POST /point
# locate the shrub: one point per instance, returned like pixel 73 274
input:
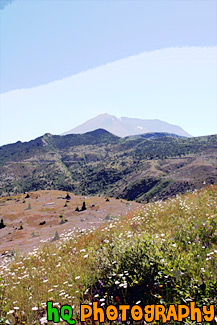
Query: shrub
pixel 29 206
pixel 68 197
pixel 83 207
pixel 2 225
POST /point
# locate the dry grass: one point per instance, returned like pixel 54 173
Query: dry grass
pixel 178 235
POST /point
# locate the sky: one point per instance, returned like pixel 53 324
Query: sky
pixel 63 62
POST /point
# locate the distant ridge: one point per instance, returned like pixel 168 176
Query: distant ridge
pixel 140 167
pixel 126 126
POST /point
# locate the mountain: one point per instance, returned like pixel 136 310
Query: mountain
pixel 126 126
pixel 142 168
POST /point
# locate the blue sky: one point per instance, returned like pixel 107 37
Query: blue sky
pixel 59 59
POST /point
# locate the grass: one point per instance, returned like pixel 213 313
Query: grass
pixel 165 253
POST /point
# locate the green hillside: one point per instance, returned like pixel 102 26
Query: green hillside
pixel 164 253
pixel 145 167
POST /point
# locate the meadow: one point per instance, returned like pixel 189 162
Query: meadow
pixel 164 253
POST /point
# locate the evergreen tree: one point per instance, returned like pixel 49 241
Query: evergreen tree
pixel 83 207
pixel 2 225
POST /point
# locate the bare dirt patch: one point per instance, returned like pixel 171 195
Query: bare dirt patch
pixel 31 221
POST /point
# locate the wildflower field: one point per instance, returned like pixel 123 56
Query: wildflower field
pixel 165 253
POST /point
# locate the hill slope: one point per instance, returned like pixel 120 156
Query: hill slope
pixel 164 253
pixel 126 126
pixel 34 218
pixel 99 162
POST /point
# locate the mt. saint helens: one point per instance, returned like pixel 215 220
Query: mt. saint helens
pixel 126 126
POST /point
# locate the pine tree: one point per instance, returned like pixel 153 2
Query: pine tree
pixel 2 225
pixel 83 207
